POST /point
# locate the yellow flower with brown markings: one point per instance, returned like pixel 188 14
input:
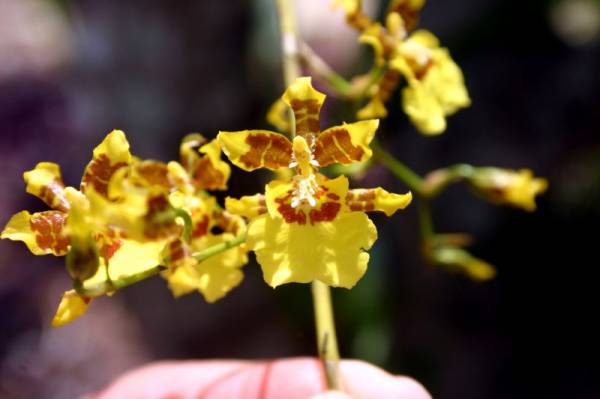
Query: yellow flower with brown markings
pixel 435 84
pixel 436 87
pixel 124 216
pixel 143 202
pixel 70 229
pixel 309 227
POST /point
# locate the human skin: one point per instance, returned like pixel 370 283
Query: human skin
pixel 294 378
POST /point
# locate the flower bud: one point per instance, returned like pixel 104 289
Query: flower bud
pixel 508 187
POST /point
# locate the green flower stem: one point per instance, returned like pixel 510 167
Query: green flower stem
pixel 319 67
pixel 401 171
pixel 108 286
pixel 338 84
pixel 187 223
pixel 425 219
pixel 462 169
pixel 218 248
pixel 373 77
pixel 438 180
pixel 289 41
pixel 413 181
pixel 326 338
pixel 113 285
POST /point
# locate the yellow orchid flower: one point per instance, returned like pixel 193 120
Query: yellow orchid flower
pixel 145 200
pixel 435 84
pixel 213 277
pixel 309 227
pixel 92 247
pixel 43 232
pixel 142 199
pixel 436 87
pixel 517 188
pixel 124 221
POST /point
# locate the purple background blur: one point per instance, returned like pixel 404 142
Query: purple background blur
pixel 71 71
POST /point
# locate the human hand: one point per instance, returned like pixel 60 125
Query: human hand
pixel 294 378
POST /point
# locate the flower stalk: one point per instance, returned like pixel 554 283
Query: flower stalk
pixel 401 171
pixel 289 41
pixel 326 336
pixel 339 86
pixel 335 82
pixel 413 181
pixel 325 326
pixel 111 285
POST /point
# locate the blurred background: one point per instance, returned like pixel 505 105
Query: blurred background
pixel 71 71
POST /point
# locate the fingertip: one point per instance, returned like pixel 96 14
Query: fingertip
pixel 413 388
pixel 162 379
pixel 331 395
pixel 364 380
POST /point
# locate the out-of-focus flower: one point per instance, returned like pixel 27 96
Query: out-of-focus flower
pixel 309 227
pixel 435 84
pixel 517 188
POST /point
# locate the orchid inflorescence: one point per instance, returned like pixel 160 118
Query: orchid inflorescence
pixel 131 218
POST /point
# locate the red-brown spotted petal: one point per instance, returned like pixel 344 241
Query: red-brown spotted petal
pixel 42 232
pixel 249 206
pixel 111 155
pixel 45 182
pixel 254 149
pixel 229 222
pixel 188 150
pixel 210 172
pixel 306 104
pixel 345 144
pixel 109 242
pixel 176 254
pixel 160 220
pixel 376 199
pixel 153 173
pixel 203 163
